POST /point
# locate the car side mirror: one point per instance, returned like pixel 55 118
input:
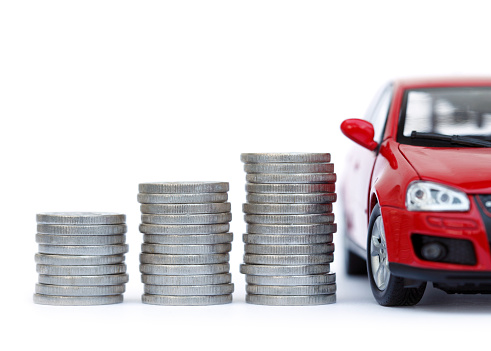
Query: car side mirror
pixel 360 131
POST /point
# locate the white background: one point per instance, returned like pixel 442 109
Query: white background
pixel 98 96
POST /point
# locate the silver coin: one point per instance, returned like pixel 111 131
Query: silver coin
pixel 84 280
pixel 188 239
pixel 290 188
pixel 290 219
pixel 287 239
pixel 184 228
pixel 183 187
pixel 203 279
pixel 186 249
pixel 189 269
pixel 63 229
pixel 73 290
pixel 77 300
pixel 289 167
pixel 315 249
pixel 288 260
pixel 74 240
pixel 286 208
pixel 81 270
pixel 284 270
pixel 282 280
pixel 181 198
pixel 290 300
pixel 214 218
pixel 216 207
pixel 315 198
pixel 162 259
pixel 291 229
pixel 289 290
pixel 187 290
pixel 64 260
pixel 80 218
pixel 272 157
pixel 85 250
pixel 291 177
pixel 186 300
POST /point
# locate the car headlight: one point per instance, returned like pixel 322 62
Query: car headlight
pixel 428 196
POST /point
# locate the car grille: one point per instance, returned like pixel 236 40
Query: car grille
pixel 484 206
pixel 486 202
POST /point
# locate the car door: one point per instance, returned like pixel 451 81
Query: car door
pixel 360 165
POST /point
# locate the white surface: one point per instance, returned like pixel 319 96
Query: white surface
pixel 98 96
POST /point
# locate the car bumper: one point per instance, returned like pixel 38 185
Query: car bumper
pixel 401 226
pixel 440 275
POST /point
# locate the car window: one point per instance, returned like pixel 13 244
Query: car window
pixel 463 111
pixel 379 113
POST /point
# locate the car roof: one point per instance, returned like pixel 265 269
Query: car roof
pixel 441 82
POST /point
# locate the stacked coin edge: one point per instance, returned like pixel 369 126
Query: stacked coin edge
pixel 290 225
pixel 81 258
pixel 186 243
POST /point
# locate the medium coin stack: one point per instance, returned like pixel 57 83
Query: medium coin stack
pixel 290 226
pixel 186 243
pixel 81 258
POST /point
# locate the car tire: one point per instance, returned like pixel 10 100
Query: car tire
pixel 387 289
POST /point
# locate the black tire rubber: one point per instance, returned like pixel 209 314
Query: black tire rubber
pixel 395 294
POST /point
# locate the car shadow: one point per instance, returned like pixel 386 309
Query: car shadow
pixel 356 289
pixel 436 300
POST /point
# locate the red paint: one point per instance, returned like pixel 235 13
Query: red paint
pixel 360 131
pixel 386 175
pixel 467 169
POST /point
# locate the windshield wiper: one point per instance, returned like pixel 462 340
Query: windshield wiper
pixel 453 139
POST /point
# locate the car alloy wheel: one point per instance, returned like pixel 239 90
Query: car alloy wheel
pixel 378 252
pixel 387 289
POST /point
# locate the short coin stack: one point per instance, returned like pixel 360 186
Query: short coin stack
pixel 81 258
pixel 186 243
pixel 290 226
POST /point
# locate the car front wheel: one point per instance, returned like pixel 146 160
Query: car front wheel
pixel 387 289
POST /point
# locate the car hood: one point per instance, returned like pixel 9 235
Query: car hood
pixel 466 168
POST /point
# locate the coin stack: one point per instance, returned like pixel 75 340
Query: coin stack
pixel 290 226
pixel 81 258
pixel 186 243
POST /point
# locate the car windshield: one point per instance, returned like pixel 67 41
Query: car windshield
pixel 433 113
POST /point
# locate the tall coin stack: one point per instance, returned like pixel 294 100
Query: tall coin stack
pixel 81 258
pixel 290 226
pixel 186 243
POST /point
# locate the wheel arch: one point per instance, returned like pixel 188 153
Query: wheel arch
pixel 372 202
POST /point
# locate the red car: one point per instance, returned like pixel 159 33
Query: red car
pixel 417 189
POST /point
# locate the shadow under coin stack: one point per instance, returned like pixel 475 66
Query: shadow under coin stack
pixel 81 258
pixel 290 226
pixel 186 243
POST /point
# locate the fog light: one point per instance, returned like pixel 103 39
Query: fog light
pixel 433 251
pixel 441 249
